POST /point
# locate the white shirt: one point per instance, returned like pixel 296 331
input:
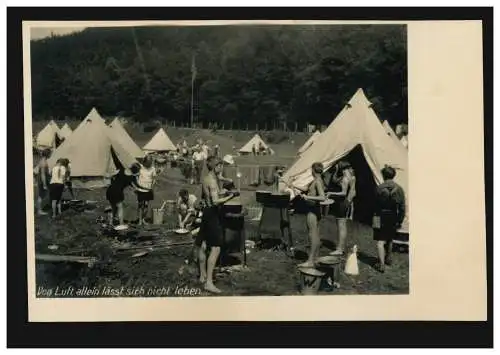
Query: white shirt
pixel 146 177
pixel 205 149
pixel 58 175
pixel 198 156
pixel 189 206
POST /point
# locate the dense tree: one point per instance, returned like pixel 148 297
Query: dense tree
pixel 265 75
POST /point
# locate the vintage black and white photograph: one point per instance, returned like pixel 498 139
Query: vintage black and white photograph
pixel 228 160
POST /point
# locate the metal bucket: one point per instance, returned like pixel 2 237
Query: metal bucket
pixel 332 266
pixel 157 216
pixel 310 280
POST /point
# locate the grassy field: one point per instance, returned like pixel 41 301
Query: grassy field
pixel 269 272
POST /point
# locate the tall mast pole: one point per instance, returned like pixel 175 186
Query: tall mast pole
pixel 193 78
pixel 192 96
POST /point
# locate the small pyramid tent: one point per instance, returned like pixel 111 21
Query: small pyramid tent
pixel 94 153
pixel 65 131
pixel 309 142
pixel 124 138
pixel 255 140
pixel 49 136
pixel 355 135
pixel 160 143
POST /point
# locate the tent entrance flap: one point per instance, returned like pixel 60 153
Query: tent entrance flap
pixel 365 185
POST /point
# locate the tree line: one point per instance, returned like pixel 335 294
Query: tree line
pixel 273 76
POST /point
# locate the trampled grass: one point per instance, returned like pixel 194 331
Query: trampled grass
pixel 269 272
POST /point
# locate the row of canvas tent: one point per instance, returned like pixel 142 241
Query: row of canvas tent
pixel 51 135
pixel 356 135
pixel 96 150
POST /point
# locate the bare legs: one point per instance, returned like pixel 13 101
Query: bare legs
pixel 342 228
pixel 207 266
pixel 384 251
pixel 313 229
pixel 39 206
pixel 142 212
pixel 119 212
pixel 70 189
pixel 112 214
pixel 212 260
pixel 139 213
pixel 202 262
pixel 56 208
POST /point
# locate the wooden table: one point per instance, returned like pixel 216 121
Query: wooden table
pixel 275 216
pixel 234 225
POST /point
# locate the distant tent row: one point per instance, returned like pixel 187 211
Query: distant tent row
pixel 96 150
pixel 49 137
pixel 356 135
pixel 160 143
pixel 256 141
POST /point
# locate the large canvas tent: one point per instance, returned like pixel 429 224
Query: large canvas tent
pixel 49 137
pixel 65 131
pixel 355 135
pixel 257 141
pixel 160 143
pixel 124 138
pixel 94 153
pixel 309 142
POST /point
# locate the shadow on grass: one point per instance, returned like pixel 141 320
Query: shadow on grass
pixel 328 244
pixel 367 259
pixel 269 243
pixel 300 255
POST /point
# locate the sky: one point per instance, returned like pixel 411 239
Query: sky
pixel 42 32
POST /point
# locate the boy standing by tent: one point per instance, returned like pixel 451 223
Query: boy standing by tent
pixel 389 214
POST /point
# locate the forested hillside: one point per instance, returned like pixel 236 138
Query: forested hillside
pixel 274 75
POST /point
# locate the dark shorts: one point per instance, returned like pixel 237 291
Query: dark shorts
pixel 315 210
pixel 341 208
pixel 304 207
pixel 388 227
pixel 114 196
pixel 211 228
pixel 56 191
pixel 145 196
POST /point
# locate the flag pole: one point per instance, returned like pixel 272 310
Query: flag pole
pixel 192 95
pixel 193 77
